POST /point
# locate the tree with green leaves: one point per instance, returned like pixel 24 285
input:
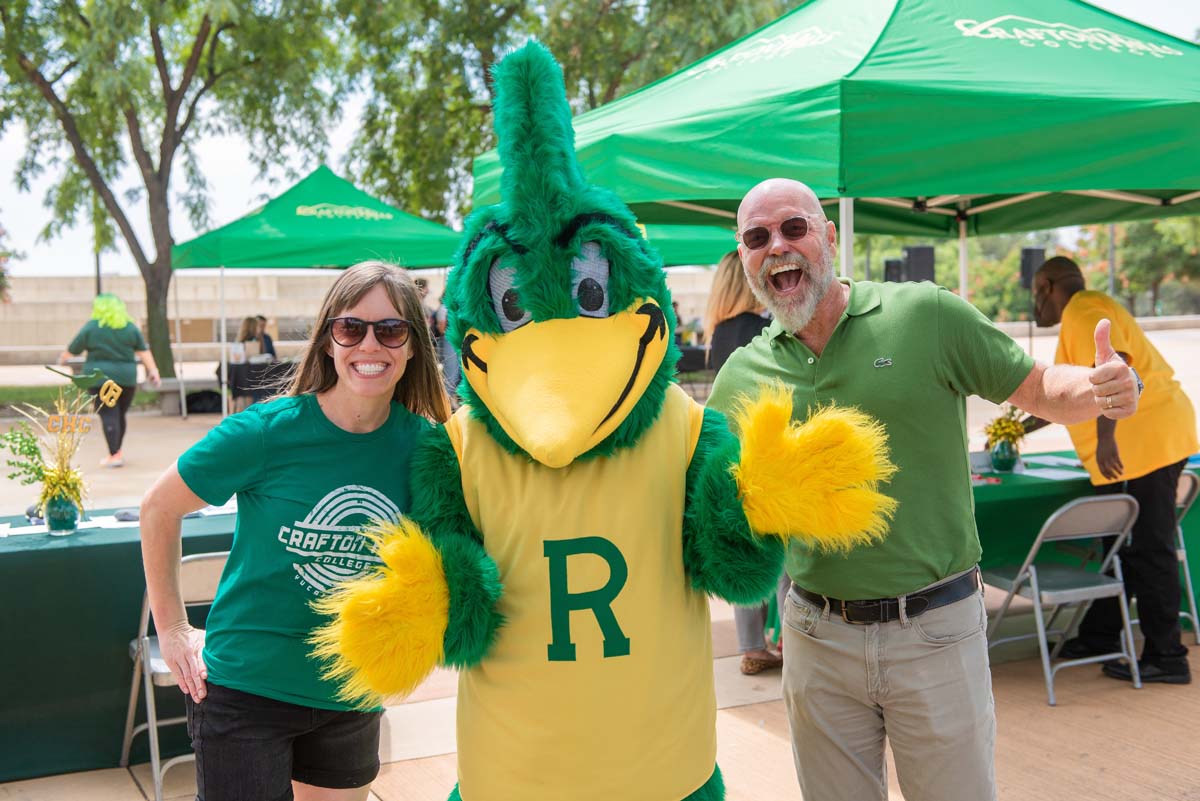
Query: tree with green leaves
pixel 98 85
pixel 425 66
pixel 1153 251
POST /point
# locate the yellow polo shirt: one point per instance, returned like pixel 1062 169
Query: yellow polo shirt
pixel 599 685
pixel 1163 430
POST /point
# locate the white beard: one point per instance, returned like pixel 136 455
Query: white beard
pixel 795 313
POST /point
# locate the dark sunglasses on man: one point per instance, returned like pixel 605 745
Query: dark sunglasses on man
pixel 793 228
pixel 349 331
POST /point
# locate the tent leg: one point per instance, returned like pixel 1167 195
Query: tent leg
pixel 962 258
pixel 846 215
pixel 178 356
pixel 1112 261
pixel 224 355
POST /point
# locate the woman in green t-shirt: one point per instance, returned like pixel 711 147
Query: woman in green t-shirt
pixel 310 469
pixel 114 345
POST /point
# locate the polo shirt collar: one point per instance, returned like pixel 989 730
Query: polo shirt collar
pixel 864 296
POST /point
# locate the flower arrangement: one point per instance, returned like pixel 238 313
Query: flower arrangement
pixel 1005 428
pixel 60 436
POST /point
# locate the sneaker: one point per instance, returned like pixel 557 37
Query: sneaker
pixel 113 460
pixel 1170 671
pixel 1078 648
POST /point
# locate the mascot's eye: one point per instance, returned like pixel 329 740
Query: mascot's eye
pixel 589 273
pixel 506 300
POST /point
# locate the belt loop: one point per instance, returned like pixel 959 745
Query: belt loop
pixel 903 604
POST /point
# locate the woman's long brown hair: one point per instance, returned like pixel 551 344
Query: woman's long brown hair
pixel 420 389
pixel 730 295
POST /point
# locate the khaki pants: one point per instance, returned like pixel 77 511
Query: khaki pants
pixel 921 682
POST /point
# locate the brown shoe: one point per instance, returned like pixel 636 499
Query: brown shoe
pixel 756 664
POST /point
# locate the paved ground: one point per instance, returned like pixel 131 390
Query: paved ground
pixel 153 441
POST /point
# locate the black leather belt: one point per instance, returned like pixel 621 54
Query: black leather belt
pixel 884 610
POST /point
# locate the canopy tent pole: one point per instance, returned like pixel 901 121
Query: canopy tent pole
pixel 1112 260
pixel 224 355
pixel 962 257
pixel 177 355
pixel 846 212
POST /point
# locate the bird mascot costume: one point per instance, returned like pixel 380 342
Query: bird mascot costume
pixel 570 520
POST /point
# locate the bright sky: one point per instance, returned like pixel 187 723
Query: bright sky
pixel 235 192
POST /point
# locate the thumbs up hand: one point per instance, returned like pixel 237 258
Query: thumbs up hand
pixel 1114 386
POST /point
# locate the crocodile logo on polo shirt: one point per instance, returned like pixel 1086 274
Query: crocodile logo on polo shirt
pixel 329 540
pixel 883 361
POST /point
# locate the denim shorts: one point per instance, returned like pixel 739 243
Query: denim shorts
pixel 251 747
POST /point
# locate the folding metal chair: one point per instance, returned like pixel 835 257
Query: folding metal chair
pixel 199 575
pixel 1062 586
pixel 1185 495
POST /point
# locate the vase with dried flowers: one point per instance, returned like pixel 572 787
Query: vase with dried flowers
pixel 42 451
pixel 1003 436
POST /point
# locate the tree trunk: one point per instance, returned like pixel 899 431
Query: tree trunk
pixel 158 285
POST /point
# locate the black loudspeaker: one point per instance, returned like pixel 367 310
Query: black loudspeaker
pixel 893 270
pixel 1031 259
pixel 918 263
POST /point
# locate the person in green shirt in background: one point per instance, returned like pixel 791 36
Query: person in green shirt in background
pixel 113 343
pixel 887 642
pixel 311 469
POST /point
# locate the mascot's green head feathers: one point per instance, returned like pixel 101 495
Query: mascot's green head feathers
pixel 557 305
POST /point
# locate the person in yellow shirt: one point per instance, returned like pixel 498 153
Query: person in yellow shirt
pixel 1142 455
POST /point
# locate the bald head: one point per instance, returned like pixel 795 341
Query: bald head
pixel 777 192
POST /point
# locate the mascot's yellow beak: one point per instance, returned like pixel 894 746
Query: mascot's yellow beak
pixel 559 387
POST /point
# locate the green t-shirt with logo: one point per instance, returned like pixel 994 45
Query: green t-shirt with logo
pixel 909 355
pixel 110 350
pixel 304 489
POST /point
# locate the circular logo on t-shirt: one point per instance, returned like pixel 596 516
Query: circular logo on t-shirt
pixel 329 540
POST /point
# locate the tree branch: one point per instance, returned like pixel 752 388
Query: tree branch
pixel 189 69
pixel 67 121
pixel 140 154
pixel 160 61
pixel 64 71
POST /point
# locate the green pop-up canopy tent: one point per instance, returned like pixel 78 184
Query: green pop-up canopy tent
pixel 939 117
pixel 690 244
pixel 322 221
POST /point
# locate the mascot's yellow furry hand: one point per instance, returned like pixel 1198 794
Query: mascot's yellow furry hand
pixel 816 481
pixel 388 627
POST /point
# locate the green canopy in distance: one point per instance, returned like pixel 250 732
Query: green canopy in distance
pixel 1001 115
pixel 690 244
pixel 323 221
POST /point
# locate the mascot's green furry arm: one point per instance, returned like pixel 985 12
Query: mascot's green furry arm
pixel 571 518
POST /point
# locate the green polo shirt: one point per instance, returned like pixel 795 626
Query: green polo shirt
pixel 908 354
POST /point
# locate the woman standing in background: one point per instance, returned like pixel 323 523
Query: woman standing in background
pixel 114 344
pixel 733 318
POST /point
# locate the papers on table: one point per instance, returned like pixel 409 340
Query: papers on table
pixel 8 530
pixel 1055 473
pixel 106 521
pixel 1051 460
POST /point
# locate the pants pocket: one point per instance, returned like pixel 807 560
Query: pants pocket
pixel 801 616
pixel 952 622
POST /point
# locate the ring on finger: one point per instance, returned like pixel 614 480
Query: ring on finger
pixel 1108 401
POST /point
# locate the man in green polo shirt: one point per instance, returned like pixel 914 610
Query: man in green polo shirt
pixel 887 642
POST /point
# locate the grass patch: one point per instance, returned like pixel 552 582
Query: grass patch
pixel 44 397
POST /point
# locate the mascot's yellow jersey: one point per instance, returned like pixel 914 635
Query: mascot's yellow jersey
pixel 599 685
